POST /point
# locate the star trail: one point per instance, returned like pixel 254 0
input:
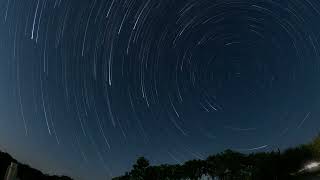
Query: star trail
pixel 88 86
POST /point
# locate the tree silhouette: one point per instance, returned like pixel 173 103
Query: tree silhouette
pixel 315 147
pixel 139 169
pixel 211 166
pixel 194 169
pixel 231 165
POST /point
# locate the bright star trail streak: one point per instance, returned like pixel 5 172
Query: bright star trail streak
pixel 88 86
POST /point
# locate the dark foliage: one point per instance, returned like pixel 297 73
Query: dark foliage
pixel 231 165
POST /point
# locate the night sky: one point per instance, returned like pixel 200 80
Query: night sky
pixel 87 86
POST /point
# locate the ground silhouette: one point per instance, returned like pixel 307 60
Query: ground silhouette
pixel 25 172
pixel 231 165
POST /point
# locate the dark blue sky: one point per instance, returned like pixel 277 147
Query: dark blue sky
pixel 87 86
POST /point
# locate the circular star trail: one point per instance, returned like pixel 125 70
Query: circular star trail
pixel 97 83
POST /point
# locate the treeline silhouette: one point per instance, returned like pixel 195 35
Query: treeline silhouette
pixel 231 165
pixel 25 172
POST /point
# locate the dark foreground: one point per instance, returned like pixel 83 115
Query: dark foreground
pixel 24 171
pixel 230 165
pixel 289 164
